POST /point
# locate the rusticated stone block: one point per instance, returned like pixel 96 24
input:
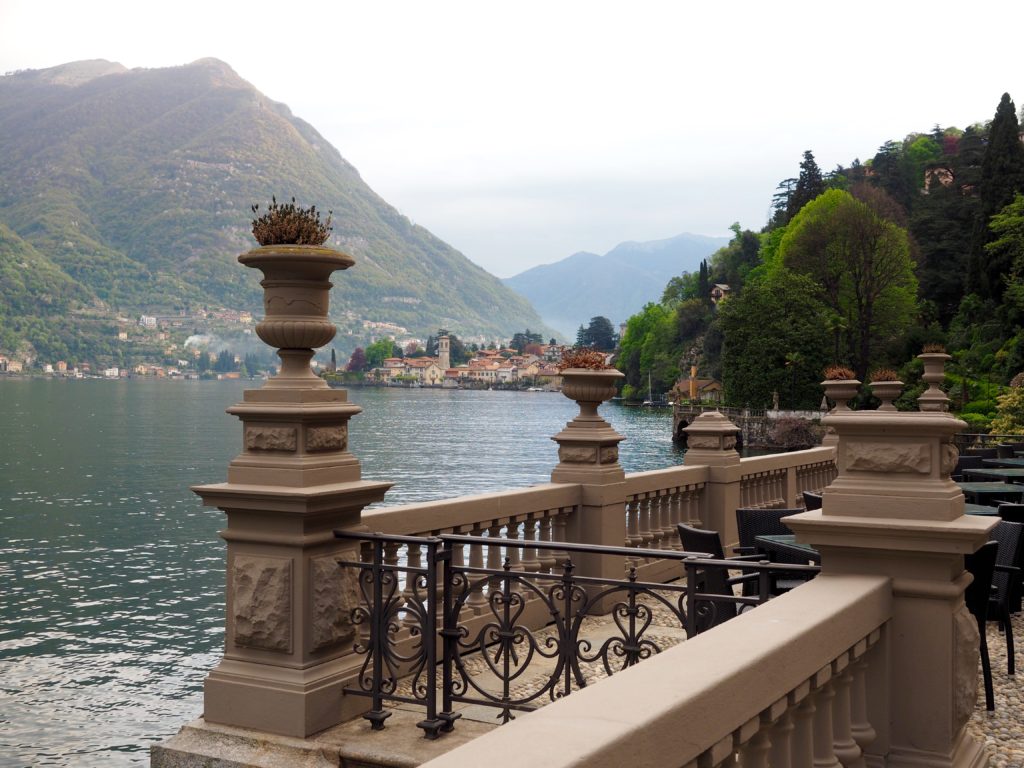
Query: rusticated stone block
pixel 320 439
pixel 966 642
pixel 577 454
pixel 704 441
pixel 950 454
pixel 609 454
pixel 271 439
pixel 335 593
pixel 262 600
pixel 905 458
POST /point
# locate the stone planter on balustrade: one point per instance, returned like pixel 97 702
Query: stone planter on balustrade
pixel 886 391
pixel 296 298
pixel 588 445
pixel 289 632
pixel 840 392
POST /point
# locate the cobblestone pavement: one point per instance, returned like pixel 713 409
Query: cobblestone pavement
pixel 1003 729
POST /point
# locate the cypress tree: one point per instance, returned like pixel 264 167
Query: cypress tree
pixel 809 185
pixel 1002 175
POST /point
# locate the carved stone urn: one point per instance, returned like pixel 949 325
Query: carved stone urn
pixel 588 444
pixel 840 391
pixel 886 391
pixel 933 398
pixel 296 292
pixel 589 388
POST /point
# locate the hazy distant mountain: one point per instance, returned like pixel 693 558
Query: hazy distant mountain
pixel 571 291
pixel 127 191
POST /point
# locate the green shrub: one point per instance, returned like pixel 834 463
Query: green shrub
pixel 976 422
pixel 980 406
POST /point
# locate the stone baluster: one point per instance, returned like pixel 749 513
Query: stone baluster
pixel 645 523
pixel 781 736
pixel 531 557
pixel 666 531
pixel 633 537
pixel 546 556
pixel 676 515
pixel 861 729
pixel 414 559
pixel 846 748
pixel 824 731
pixel 514 554
pixel 803 731
pixel 558 525
pixel 494 558
pixel 754 753
pixel 477 600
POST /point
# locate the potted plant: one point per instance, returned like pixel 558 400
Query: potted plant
pixel 840 386
pixel 886 386
pixel 934 358
pixel 587 379
pixel 296 290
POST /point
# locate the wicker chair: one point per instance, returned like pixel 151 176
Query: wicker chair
pixel 1005 597
pixel 981 565
pixel 713 580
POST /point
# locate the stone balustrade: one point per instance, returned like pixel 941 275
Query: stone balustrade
pixel 793 683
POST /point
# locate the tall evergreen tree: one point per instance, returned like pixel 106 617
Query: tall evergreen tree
pixel 703 284
pixel 1002 176
pixel 809 185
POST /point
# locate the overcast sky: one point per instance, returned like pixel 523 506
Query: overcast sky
pixel 523 132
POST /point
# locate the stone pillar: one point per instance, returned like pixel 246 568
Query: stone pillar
pixel 711 441
pixel 289 635
pixel 588 453
pixel 894 511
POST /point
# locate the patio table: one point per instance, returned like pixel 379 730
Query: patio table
pixel 993 492
pixel 1003 462
pixel 787 545
pixel 1005 474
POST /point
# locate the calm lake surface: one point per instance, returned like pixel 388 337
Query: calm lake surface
pixel 112 573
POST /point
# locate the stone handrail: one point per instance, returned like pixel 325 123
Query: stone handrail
pixel 779 479
pixel 786 684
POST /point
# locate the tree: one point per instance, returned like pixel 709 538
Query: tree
pixel 380 350
pixel 648 348
pixel 861 264
pixel 599 334
pixel 776 340
pixel 1002 176
pixel 1007 247
pixel 520 341
pixel 334 360
pixel 358 360
pixel 808 186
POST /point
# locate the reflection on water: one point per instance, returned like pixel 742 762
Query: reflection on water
pixel 113 572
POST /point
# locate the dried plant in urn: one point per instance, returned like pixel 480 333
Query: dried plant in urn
pixel 588 379
pixel 288 224
pixel 296 289
pixel 886 386
pixel 840 386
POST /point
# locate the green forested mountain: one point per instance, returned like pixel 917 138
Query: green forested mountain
pixel 861 266
pixel 128 191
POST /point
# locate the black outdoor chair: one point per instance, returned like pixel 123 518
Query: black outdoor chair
pixel 981 565
pixel 1005 597
pixel 812 500
pixel 751 523
pixel 983 453
pixel 1004 451
pixel 1012 513
pixel 966 462
pixel 713 580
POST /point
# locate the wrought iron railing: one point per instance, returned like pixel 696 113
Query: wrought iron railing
pixel 437 632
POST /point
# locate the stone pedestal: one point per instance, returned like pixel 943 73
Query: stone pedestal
pixel 588 453
pixel 894 511
pixel 711 441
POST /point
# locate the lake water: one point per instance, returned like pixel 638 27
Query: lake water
pixel 112 573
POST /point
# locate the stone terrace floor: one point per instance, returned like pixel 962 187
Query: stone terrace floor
pixel 1003 729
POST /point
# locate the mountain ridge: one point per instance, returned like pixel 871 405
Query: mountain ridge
pixel 136 184
pixel 616 284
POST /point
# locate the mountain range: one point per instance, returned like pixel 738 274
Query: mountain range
pixel 570 292
pixel 129 191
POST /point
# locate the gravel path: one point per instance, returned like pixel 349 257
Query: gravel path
pixel 1003 729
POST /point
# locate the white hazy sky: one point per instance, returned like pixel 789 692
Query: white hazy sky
pixel 523 132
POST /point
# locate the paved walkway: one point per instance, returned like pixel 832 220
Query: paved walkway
pixel 1003 729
